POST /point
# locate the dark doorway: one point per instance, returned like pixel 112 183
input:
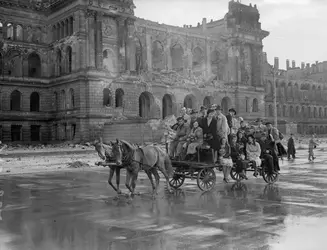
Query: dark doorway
pixel 35 132
pixel 16 132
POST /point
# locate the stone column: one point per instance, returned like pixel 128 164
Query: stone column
pixel 99 49
pixel 90 16
pixel 149 51
pixel 208 57
pixel 168 53
pixel 129 46
pixel 121 29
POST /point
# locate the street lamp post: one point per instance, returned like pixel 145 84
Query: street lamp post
pixel 273 72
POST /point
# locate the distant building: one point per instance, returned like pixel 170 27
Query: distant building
pixel 69 67
pixel 301 95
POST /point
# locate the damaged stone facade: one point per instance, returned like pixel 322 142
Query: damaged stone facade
pixel 69 67
pixel 301 95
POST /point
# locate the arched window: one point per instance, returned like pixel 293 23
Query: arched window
pixel 63 99
pixel 190 101
pixel 1 64
pixel 54 33
pixel 284 111
pixel 56 104
pixel 66 28
pixel 58 62
pixel 10 31
pixel 71 25
pixel 177 54
pixel 35 102
pixel 207 101
pixel 198 61
pixel 62 30
pixel 15 100
pixel 119 98
pixel 270 111
pixel 158 56
pixel 106 97
pixel 226 104
pixel 34 65
pixel 145 105
pixel 19 32
pixel 58 36
pixel 108 61
pixel 167 106
pixel 255 105
pixel 69 58
pixel 72 98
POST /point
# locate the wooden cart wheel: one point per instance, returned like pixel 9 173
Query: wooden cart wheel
pixel 268 177
pixel 235 175
pixel 206 179
pixel 177 180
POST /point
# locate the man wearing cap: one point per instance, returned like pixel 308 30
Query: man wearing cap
pixel 194 117
pixel 176 146
pixel 186 117
pixel 222 125
pixel 201 116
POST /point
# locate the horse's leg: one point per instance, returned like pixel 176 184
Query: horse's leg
pixel 128 181
pixel 154 188
pixel 111 174
pixel 157 177
pixel 118 179
pixel 164 172
pixel 133 182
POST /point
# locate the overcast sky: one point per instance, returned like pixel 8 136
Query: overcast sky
pixel 298 28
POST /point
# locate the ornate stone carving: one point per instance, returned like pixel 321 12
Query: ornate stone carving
pixel 108 27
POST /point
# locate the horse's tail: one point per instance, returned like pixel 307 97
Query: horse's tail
pixel 168 166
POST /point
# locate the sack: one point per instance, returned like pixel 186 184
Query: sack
pixel 281 136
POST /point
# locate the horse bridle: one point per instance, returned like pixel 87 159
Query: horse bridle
pixel 127 159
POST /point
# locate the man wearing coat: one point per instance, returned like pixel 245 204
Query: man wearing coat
pixel 290 148
pixel 231 121
pixel 273 137
pixel 176 146
pixel 222 124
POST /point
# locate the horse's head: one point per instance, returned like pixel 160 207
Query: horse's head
pixel 102 149
pixel 117 151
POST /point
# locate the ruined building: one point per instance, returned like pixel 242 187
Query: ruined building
pixel 73 69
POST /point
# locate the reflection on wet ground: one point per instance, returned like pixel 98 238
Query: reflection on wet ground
pixel 78 211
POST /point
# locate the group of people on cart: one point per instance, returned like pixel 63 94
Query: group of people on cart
pixel 230 139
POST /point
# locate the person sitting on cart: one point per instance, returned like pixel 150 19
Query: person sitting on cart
pixel 194 140
pixel 266 153
pixel 238 155
pixel 210 132
pixel 176 146
pixel 225 159
pixel 253 153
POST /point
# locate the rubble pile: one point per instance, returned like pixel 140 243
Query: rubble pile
pixel 78 164
pixel 12 147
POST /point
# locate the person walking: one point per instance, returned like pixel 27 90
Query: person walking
pixel 290 148
pixel 312 146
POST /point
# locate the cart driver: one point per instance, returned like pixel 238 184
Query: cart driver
pixel 176 145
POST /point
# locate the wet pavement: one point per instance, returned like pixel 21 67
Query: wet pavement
pixel 77 210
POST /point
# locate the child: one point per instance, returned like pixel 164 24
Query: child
pixel 290 148
pixel 312 145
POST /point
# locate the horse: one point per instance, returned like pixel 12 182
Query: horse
pixel 148 158
pixel 105 153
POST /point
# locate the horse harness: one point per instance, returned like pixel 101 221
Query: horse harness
pixel 127 159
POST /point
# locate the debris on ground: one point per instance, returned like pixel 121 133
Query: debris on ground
pixel 78 164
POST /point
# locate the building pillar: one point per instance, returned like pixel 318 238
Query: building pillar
pixel 90 16
pixel 130 46
pixel 208 57
pixel 121 43
pixel 99 49
pixel 149 51
pixel 168 53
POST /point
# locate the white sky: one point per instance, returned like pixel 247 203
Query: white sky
pixel 298 28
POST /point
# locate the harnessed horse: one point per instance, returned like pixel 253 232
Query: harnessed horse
pixel 105 153
pixel 148 158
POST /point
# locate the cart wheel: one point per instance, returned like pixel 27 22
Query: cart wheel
pixel 268 177
pixel 206 179
pixel 235 176
pixel 177 180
